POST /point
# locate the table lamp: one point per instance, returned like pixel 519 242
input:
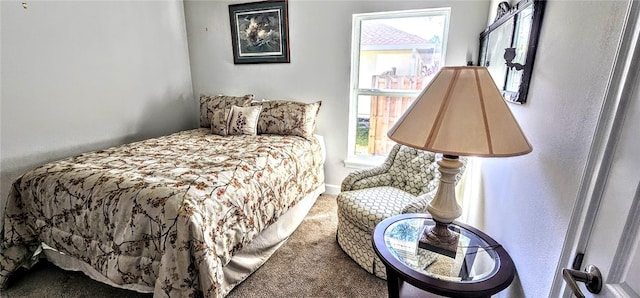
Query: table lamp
pixel 460 113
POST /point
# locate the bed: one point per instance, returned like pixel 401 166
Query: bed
pixel 190 214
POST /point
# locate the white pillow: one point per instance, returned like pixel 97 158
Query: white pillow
pixel 243 120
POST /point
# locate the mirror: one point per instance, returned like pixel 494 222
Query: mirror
pixel 508 47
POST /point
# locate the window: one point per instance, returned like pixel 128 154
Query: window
pixel 395 55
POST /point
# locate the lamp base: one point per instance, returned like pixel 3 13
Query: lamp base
pixel 439 239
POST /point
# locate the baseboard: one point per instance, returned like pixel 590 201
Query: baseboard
pixel 331 189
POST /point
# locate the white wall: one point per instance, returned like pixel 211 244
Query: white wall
pixel 320 41
pixel 529 199
pixel 85 75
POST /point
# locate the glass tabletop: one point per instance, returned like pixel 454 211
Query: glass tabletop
pixel 474 261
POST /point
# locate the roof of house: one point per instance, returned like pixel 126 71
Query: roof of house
pixel 378 34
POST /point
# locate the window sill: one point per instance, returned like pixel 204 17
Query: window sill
pixel 363 161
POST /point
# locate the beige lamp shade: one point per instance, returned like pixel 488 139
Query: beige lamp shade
pixel 461 112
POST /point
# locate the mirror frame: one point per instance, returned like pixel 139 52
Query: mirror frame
pixel 513 13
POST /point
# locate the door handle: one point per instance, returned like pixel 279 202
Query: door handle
pixel 591 277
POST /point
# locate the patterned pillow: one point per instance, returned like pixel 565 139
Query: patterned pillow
pixel 243 120
pixel 284 117
pixel 219 121
pixel 209 105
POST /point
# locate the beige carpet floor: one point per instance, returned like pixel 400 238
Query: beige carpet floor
pixel 309 264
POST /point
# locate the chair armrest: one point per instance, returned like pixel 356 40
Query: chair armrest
pixel 419 204
pixel 378 176
pixel 366 179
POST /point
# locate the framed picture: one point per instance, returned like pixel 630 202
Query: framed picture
pixel 260 32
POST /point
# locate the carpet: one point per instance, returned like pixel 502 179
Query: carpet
pixel 309 264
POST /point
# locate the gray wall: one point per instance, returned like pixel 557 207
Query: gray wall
pixel 84 75
pixel 529 199
pixel 320 34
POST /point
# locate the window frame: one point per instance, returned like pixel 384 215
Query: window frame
pixel 364 160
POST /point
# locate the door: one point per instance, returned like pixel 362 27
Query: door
pixel 613 244
pixel 608 231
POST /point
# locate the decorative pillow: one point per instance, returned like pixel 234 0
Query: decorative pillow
pixel 284 117
pixel 243 120
pixel 219 119
pixel 209 104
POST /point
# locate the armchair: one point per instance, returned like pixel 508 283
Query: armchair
pixel 404 183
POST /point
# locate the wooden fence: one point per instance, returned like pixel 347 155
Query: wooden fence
pixel 385 110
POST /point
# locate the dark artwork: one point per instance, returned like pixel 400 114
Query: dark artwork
pixel 260 33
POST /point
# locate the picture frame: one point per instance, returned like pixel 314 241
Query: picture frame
pixel 260 32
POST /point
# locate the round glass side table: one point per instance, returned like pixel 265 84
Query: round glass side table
pixel 481 267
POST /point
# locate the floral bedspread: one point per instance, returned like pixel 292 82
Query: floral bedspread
pixel 167 212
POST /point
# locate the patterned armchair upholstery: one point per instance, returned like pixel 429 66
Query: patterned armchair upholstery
pixel 405 183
